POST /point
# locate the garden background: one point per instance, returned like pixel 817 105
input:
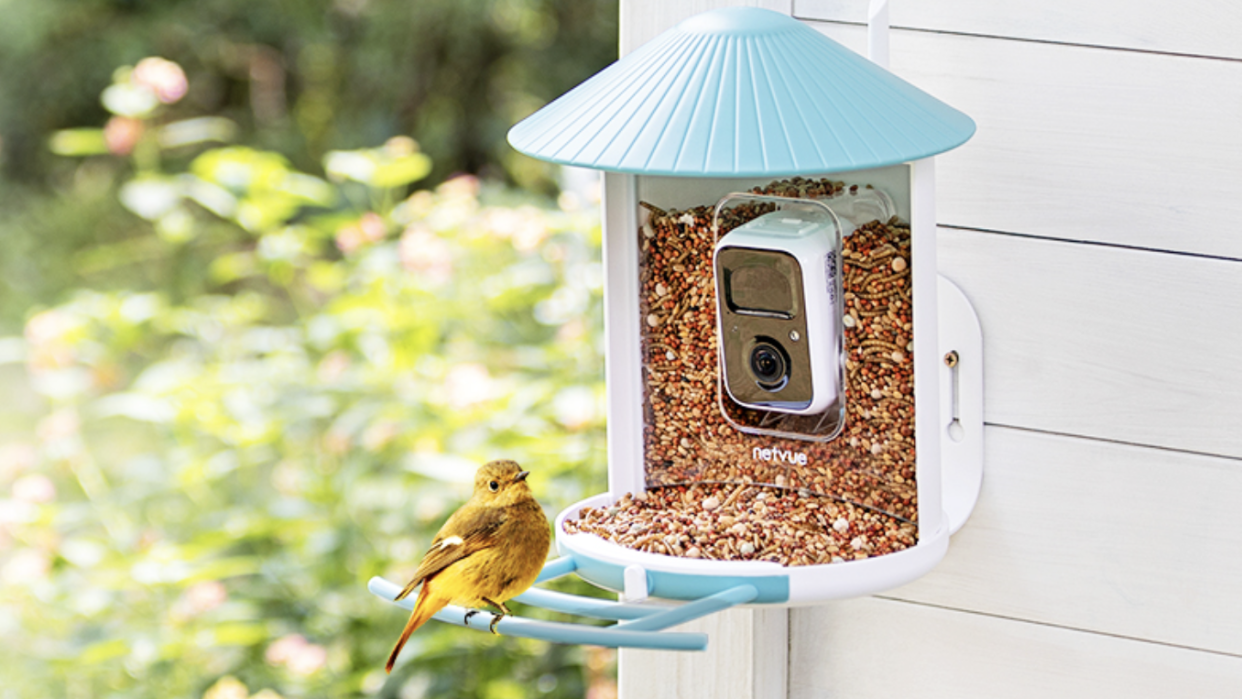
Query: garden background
pixel 272 284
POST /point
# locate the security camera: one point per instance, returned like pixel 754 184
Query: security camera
pixel 777 298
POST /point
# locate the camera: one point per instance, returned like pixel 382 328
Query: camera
pixel 777 298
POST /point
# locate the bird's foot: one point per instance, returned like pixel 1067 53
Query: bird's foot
pixel 469 613
pixel 504 612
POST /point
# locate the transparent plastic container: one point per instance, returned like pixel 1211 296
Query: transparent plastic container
pixel 776 345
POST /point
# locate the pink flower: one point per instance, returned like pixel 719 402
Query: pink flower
pixel 48 336
pixel 26 566
pixel 34 488
pixel 467 385
pixel 368 229
pixel 200 598
pixel 58 426
pixel 460 186
pixel 287 478
pixel 121 134
pixel 373 227
pixel 333 366
pixel 349 239
pixel 163 77
pixel 295 653
pixel 15 458
pixel 423 253
pixel 525 227
pixel 308 659
pixel 575 407
pixel 48 326
pixel 206 596
pixel 336 442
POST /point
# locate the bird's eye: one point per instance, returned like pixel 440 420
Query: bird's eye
pixel 493 486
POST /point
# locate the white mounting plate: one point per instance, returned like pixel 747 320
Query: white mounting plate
pixel 961 405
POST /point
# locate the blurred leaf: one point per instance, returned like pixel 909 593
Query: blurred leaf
pixel 150 197
pixel 104 651
pixel 239 168
pixel 134 406
pixel 129 100
pixel 308 188
pixel 401 171
pixel 239 634
pixel 350 165
pixel 226 568
pixel 78 142
pixel 377 167
pixel 175 226
pixel 212 197
pixel 199 130
pixel 229 268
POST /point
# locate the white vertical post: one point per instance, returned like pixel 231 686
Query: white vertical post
pixel 747 658
pixel 877 33
pixel 622 344
pixel 927 359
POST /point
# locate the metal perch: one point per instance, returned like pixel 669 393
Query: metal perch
pixel 639 625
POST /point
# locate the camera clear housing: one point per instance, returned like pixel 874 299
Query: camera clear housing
pixel 778 297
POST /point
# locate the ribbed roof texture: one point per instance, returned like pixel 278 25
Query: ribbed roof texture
pixel 741 92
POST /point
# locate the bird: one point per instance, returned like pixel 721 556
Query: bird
pixel 490 550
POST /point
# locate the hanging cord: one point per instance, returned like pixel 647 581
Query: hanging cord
pixel 877 33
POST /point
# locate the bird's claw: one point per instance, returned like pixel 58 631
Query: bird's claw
pixel 491 627
pixel 504 612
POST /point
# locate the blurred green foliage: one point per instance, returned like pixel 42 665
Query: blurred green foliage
pixel 298 78
pixel 308 76
pixel 259 379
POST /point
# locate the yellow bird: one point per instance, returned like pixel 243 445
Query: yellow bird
pixel 490 550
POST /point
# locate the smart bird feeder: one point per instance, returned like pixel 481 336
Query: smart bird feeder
pixel 774 321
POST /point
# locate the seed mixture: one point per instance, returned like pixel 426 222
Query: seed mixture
pixel 696 462
pixel 729 522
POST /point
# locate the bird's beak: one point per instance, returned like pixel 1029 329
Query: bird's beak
pixel 521 476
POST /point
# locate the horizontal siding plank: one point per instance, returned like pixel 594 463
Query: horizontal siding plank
pixel 1127 345
pixel 865 648
pixel 1196 27
pixel 1103 537
pixel 1083 144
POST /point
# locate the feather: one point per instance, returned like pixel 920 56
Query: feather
pixel 428 604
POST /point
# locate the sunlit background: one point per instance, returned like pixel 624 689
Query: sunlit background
pixel 272 285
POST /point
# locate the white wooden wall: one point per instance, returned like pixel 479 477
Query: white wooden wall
pixel 1095 222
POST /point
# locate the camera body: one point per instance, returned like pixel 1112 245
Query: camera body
pixel 778 316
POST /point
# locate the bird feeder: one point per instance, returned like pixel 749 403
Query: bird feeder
pixel 782 357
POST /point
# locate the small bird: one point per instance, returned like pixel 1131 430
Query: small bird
pixel 490 550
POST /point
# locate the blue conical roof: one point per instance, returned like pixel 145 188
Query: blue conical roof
pixel 741 91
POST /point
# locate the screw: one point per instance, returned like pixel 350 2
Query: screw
pixel 950 359
pixel 794 336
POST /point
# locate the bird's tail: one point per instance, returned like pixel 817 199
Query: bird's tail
pixel 428 604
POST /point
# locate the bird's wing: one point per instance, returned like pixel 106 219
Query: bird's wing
pixel 469 530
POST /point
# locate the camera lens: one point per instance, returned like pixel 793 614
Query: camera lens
pixel 768 364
